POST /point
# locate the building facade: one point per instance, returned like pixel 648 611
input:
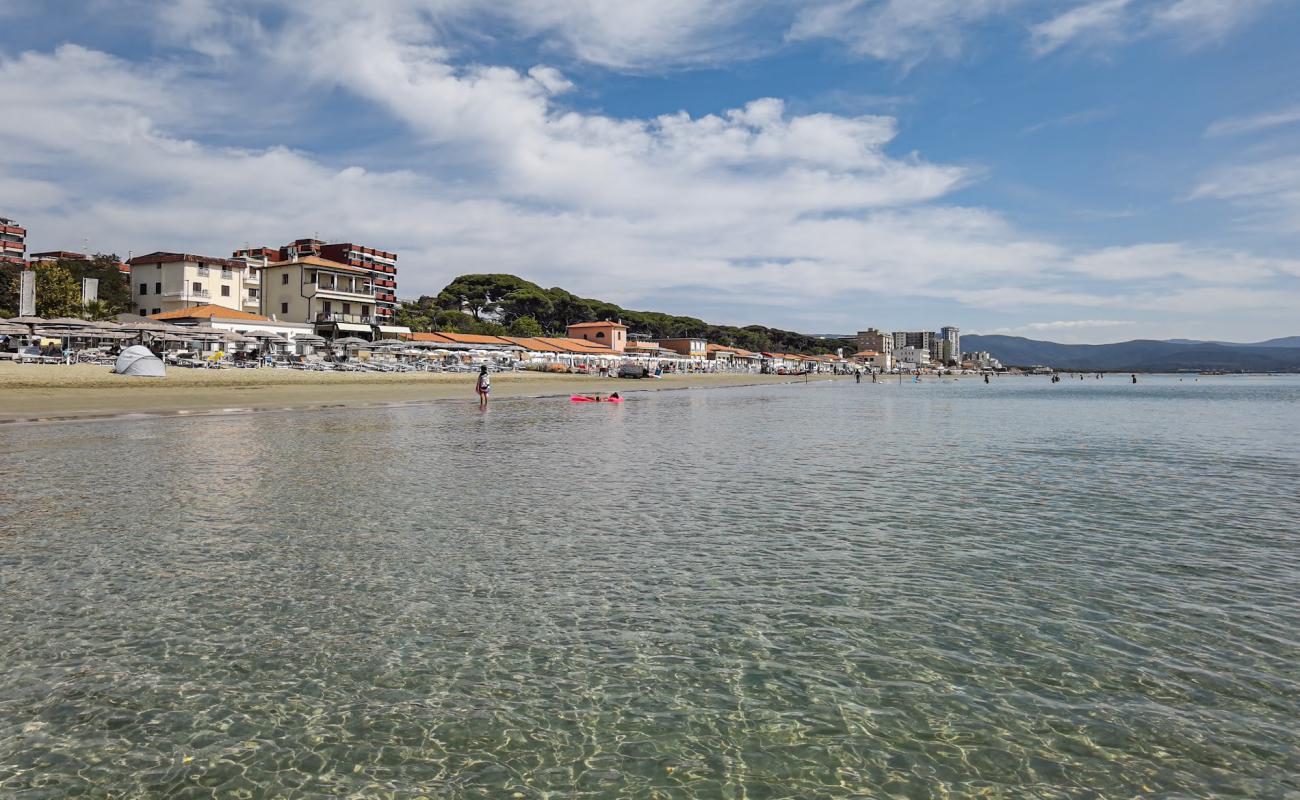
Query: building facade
pixel 254 259
pixel 690 346
pixel 162 282
pixel 338 299
pixel 950 344
pixel 610 334
pixel 379 265
pixel 13 242
pixel 911 358
pixel 872 339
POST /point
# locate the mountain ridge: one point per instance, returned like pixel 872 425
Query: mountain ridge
pixel 1138 355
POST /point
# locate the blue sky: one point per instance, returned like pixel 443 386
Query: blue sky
pixel 1075 170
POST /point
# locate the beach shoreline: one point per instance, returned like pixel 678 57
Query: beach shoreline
pixel 33 393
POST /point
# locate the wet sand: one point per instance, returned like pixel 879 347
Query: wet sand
pixel 29 391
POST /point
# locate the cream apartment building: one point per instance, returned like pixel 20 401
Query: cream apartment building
pixel 162 282
pixel 337 298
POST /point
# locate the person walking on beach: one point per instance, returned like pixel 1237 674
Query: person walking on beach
pixel 483 386
pixel 857 376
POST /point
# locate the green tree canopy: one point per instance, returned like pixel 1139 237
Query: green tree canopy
pixel 58 293
pixel 526 326
pixel 553 310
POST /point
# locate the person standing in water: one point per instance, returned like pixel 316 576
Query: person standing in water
pixel 1134 377
pixel 483 386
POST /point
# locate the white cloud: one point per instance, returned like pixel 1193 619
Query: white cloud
pixel 1268 190
pixel 1254 122
pixel 1176 260
pixel 1205 21
pixel 1069 120
pixel 754 205
pixel 897 30
pixel 1099 20
pixel 1100 24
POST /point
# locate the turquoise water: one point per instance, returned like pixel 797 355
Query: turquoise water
pixel 947 589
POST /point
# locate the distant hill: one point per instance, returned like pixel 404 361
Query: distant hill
pixel 1139 355
pixel 1285 341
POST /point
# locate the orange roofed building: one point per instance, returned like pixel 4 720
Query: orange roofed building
pixel 609 334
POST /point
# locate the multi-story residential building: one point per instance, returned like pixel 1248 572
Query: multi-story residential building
pixel 13 242
pixel 918 339
pixel 695 348
pixel 380 265
pixel 910 358
pixel 872 339
pixel 163 282
pixel 339 299
pixel 254 259
pixel 950 339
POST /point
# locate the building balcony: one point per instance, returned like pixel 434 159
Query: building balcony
pixel 364 292
pixel 189 294
pixel 357 319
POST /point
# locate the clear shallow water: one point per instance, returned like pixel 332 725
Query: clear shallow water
pixel 729 593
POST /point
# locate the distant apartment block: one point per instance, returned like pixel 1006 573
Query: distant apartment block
pixel 874 340
pixel 13 242
pixel 255 259
pixel 949 344
pixel 380 266
pixel 162 282
pixel 338 299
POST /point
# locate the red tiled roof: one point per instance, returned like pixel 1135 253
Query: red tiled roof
pixel 602 324
pixel 208 312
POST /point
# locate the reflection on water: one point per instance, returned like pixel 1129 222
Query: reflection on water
pixel 830 590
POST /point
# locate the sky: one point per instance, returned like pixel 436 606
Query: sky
pixel 1071 170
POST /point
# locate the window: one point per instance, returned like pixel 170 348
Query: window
pixel 144 289
pixel 284 278
pixel 284 308
pixel 600 334
pixel 198 287
pixel 347 308
pixel 365 311
pixel 157 287
pixel 327 306
pixel 157 311
pixel 252 294
pixel 225 291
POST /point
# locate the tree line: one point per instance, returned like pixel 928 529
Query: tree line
pixel 507 305
pixel 58 288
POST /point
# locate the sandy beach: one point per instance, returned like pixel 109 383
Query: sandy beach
pixel 30 391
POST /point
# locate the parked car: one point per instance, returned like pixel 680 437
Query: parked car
pixel 632 371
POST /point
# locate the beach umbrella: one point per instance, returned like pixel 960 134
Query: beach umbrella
pixel 148 325
pixel 351 341
pixel 107 325
pixel 11 328
pixel 268 335
pixel 71 322
pixel 27 320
